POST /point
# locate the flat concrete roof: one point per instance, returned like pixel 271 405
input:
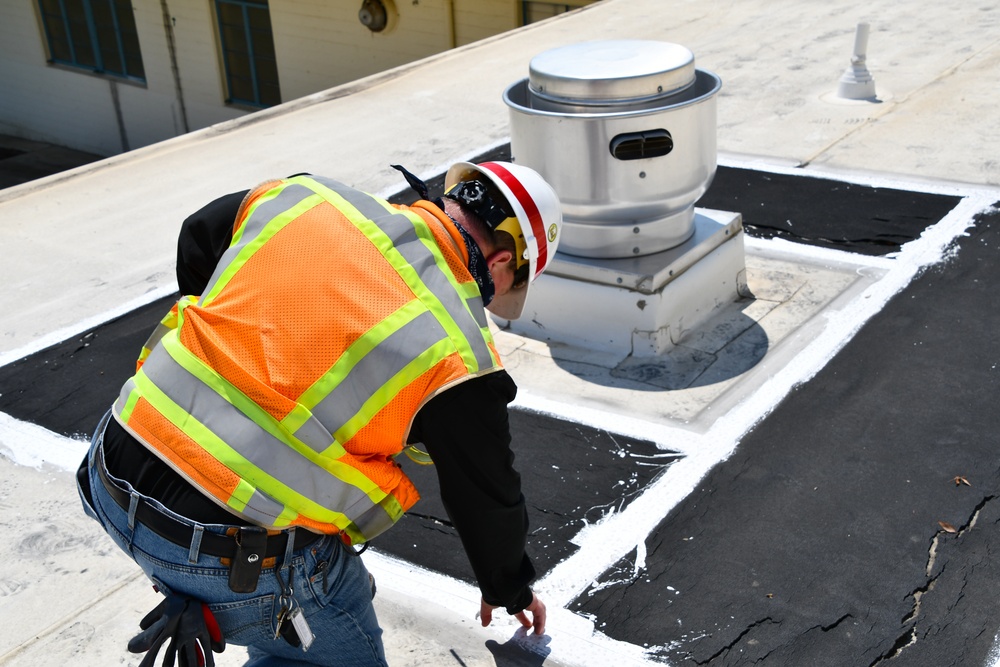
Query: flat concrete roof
pixel 782 511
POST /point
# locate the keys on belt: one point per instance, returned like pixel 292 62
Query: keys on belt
pixel 292 625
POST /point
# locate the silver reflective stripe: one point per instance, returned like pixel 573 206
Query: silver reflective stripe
pixel 375 368
pixel 123 395
pixel 374 521
pixel 475 306
pixel 252 442
pixel 254 225
pixel 399 229
pixel 314 434
pixel 262 508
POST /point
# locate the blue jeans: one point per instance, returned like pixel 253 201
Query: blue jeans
pixel 328 581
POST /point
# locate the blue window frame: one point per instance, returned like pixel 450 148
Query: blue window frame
pixel 248 52
pixel 95 35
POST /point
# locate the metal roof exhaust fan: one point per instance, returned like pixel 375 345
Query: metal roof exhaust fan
pixel 625 132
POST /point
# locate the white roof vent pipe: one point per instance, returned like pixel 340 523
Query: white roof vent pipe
pixel 857 83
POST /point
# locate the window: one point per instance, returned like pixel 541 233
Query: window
pixel 96 35
pixel 248 52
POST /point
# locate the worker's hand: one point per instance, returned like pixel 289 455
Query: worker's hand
pixel 537 609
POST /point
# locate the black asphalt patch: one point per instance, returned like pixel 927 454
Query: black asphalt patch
pixel 826 538
pixel 824 212
pixel 68 387
pixel 571 476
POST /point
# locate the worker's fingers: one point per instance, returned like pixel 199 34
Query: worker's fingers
pixel 537 609
pixel 485 613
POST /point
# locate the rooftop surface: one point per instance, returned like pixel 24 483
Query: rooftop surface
pixel 809 478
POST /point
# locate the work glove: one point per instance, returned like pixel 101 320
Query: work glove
pixel 189 625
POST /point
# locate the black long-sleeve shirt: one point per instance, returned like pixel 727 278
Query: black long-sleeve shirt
pixel 465 430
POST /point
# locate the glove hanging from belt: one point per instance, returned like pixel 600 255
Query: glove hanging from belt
pixel 189 625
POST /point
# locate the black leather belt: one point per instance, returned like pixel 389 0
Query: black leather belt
pixel 213 544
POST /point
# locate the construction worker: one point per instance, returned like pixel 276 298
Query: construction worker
pixel 253 452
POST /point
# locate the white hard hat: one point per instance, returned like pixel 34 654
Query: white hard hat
pixel 535 226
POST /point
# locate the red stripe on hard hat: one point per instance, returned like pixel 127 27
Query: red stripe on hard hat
pixel 530 208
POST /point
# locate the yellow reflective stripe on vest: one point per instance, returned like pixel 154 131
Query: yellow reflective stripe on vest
pixel 357 351
pixel 328 490
pixel 166 325
pixel 228 402
pixel 407 243
pixel 266 217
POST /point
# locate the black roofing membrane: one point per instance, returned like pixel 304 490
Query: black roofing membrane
pixel 814 542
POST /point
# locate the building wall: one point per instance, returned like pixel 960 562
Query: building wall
pixel 107 115
pixel 47 102
pixel 479 20
pixel 199 64
pixel 319 44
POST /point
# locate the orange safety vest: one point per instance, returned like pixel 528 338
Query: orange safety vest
pixel 287 388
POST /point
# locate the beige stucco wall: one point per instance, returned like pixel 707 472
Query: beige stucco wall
pixel 319 44
pixel 196 49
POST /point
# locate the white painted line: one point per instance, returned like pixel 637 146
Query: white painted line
pixel 604 543
pixel 570 639
pixel 32 446
pixel 993 660
pixel 60 335
pixel 782 249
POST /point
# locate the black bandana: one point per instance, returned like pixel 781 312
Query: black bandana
pixel 478 267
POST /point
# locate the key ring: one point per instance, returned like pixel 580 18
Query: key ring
pixel 286 591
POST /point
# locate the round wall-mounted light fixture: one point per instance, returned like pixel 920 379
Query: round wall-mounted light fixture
pixel 373 15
